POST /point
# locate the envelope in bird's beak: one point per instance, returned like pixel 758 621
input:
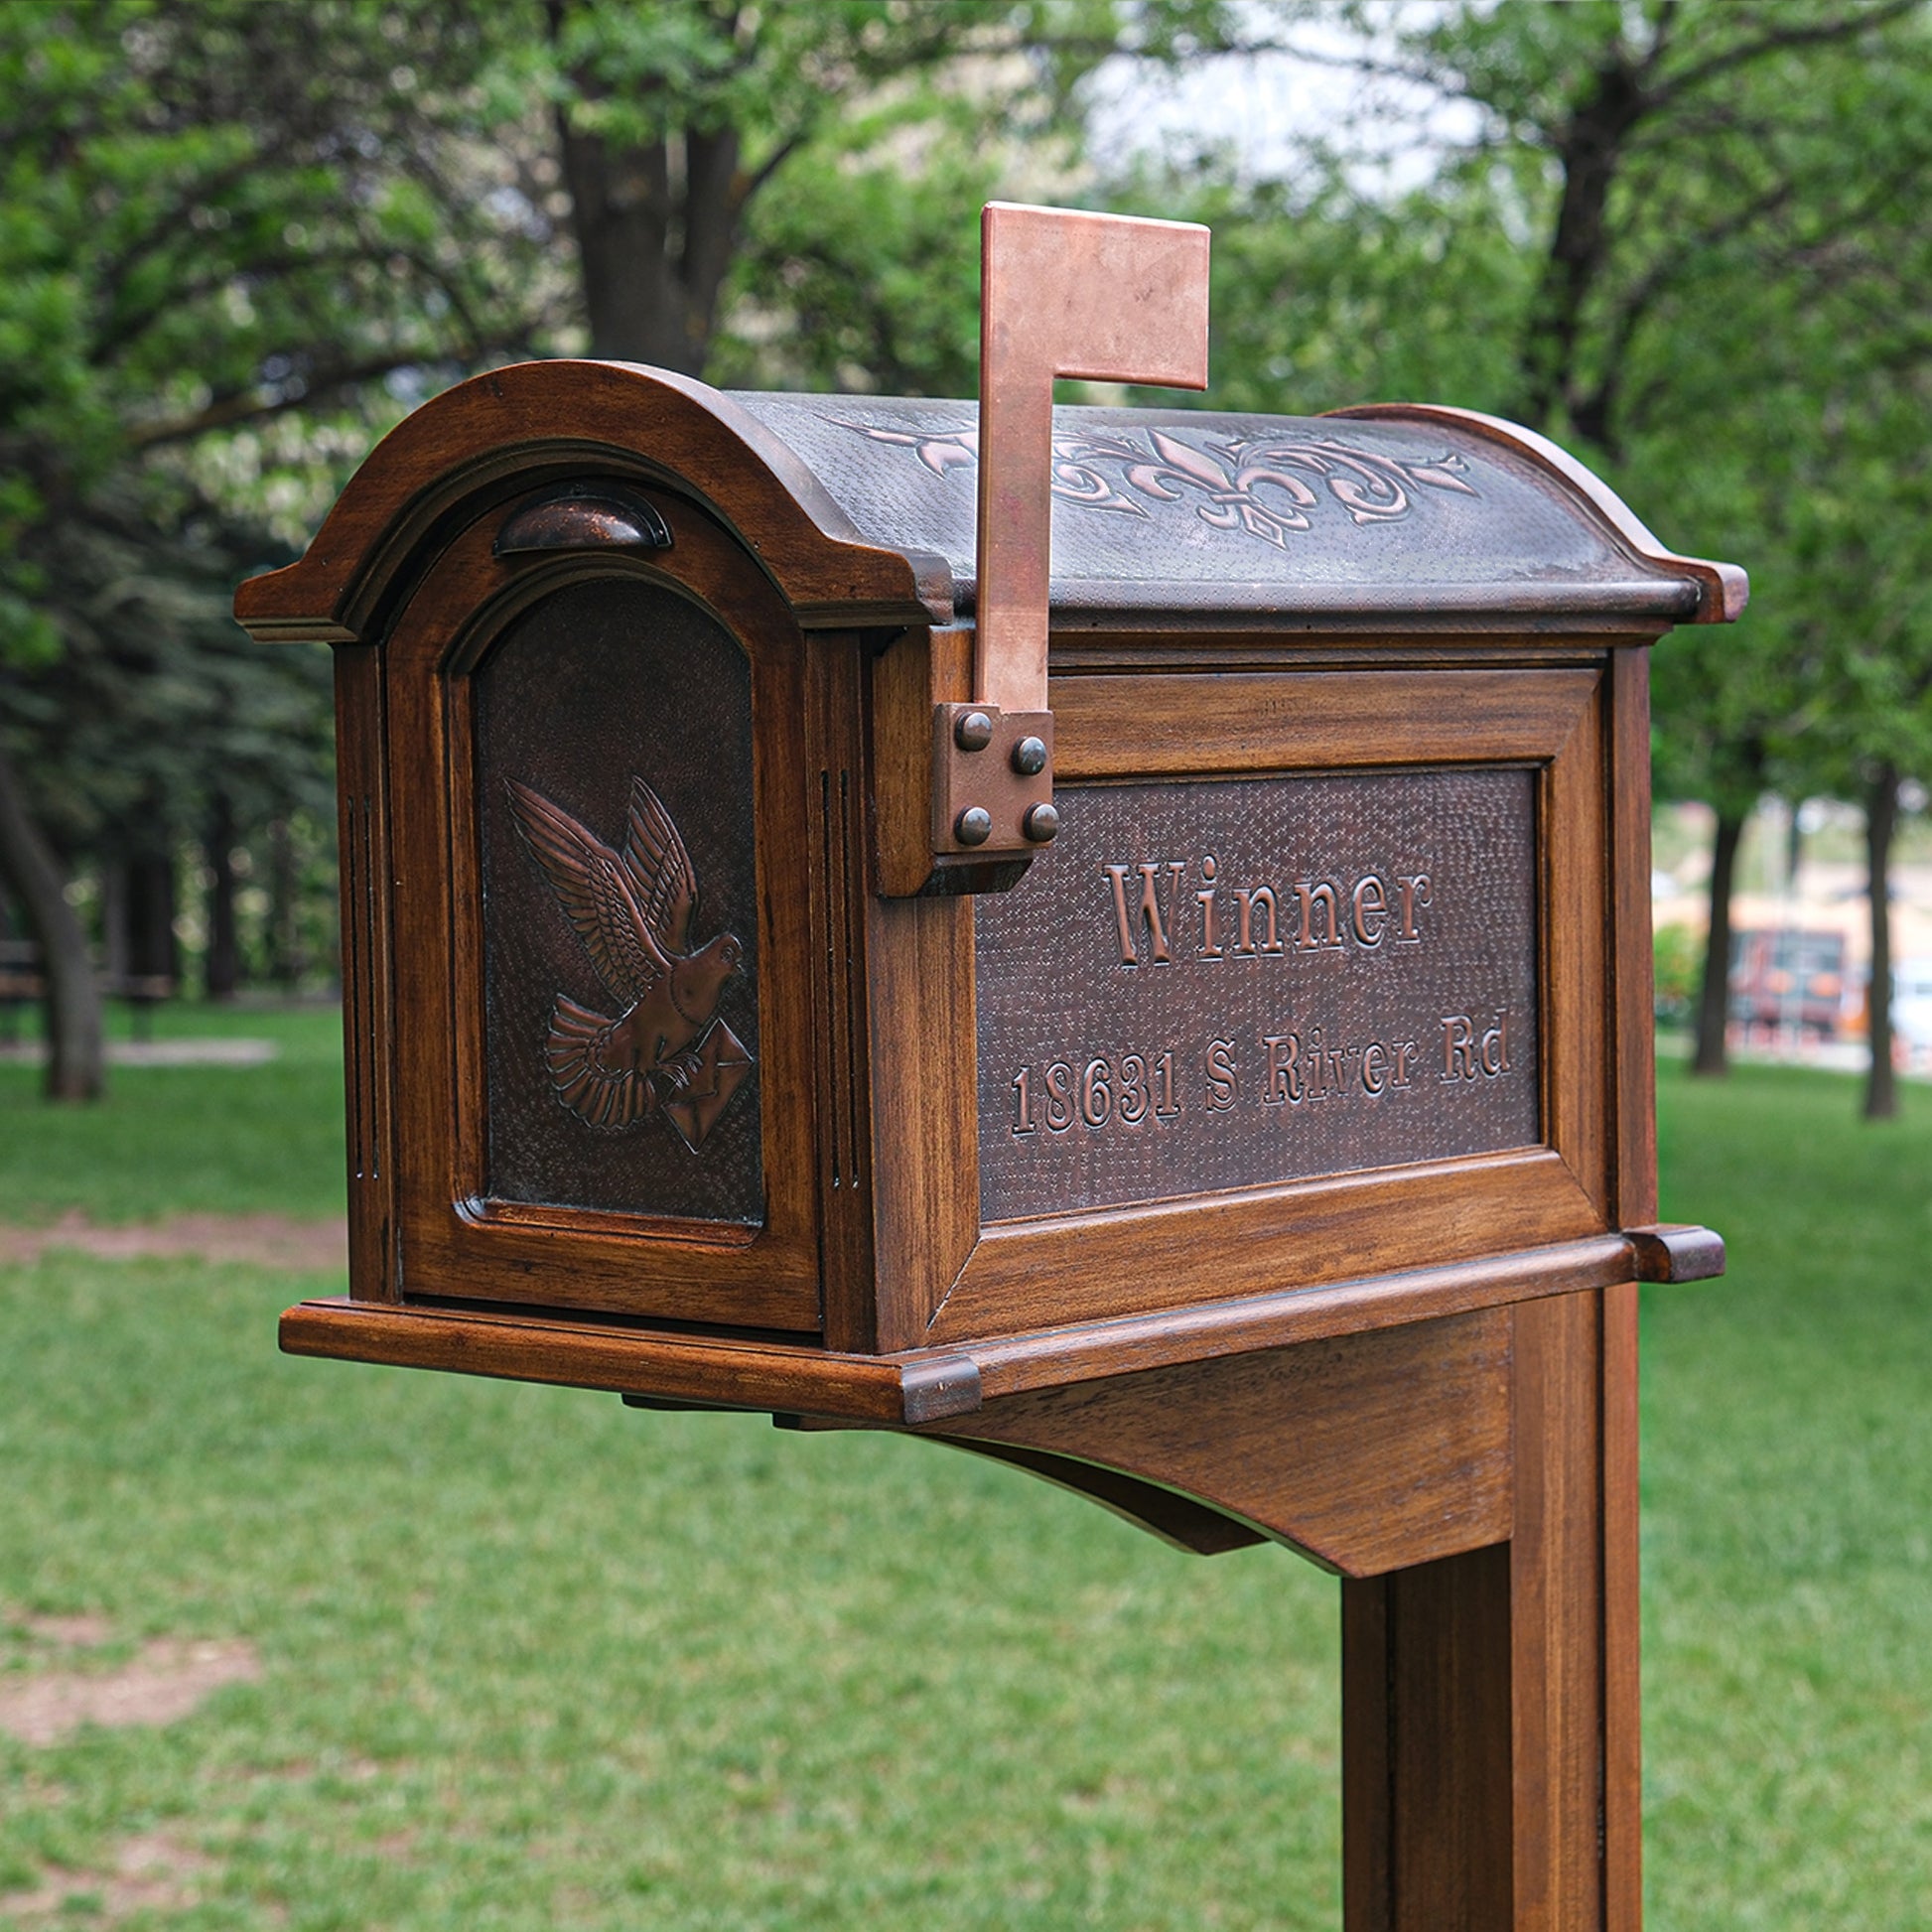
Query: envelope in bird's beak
pixel 722 1065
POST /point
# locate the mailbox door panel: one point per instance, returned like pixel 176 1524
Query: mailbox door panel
pixel 602 984
pixel 1330 1002
pixel 612 734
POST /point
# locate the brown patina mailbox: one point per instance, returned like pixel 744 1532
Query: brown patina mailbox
pixel 1220 1081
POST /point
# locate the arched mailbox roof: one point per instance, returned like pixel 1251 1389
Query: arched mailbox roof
pixel 1388 511
pixel 862 508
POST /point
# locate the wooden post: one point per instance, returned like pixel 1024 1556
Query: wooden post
pixel 1426 1827
pixel 1489 1700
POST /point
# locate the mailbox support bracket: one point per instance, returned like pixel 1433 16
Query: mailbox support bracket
pixel 1490 1695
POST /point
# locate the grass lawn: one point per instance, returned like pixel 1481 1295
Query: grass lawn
pixel 1788 1515
pixel 534 1660
pixel 186 1140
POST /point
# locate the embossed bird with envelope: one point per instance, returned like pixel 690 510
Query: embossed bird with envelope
pixel 632 909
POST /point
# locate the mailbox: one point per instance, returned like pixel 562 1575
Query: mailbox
pixel 688 1055
pixel 1178 1019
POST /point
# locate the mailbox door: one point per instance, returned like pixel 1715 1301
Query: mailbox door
pixel 602 1084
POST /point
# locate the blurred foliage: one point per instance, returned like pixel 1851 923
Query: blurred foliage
pixel 1679 963
pixel 212 214
pixel 1685 238
pixel 674 121
pixel 239 238
pixel 154 680
pixel 209 216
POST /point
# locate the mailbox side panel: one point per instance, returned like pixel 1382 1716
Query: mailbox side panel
pixel 1514 1128
pixel 602 961
pixel 1634 1059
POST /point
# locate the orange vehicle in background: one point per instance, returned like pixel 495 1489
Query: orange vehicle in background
pixel 1792 982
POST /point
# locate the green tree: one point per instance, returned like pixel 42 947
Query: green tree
pixel 1860 555
pixel 1714 163
pixel 870 129
pixel 158 717
pixel 207 219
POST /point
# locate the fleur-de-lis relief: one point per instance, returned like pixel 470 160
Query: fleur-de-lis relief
pixel 1232 502
pixel 1233 477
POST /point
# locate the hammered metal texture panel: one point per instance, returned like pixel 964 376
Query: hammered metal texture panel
pixel 1229 983
pixel 1193 507
pixel 613 753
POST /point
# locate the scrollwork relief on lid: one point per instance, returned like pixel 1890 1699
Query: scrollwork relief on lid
pixel 1268 486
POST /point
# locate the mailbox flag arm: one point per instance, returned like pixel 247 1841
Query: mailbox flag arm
pixel 1107 297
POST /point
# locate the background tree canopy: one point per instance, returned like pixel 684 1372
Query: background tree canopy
pixel 240 239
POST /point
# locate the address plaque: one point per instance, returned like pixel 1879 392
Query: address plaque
pixel 1229 984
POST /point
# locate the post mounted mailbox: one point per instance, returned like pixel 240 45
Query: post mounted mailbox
pixel 1179 1020
pixel 684 1056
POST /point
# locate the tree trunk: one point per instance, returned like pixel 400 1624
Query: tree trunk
pixel 113 922
pixel 224 969
pixel 1881 822
pixel 620 212
pixel 76 1060
pixel 656 224
pixel 153 953
pixel 1589 151
pixel 1714 997
pixel 284 938
pixel 715 188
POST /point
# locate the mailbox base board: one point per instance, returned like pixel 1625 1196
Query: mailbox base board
pixel 928 1385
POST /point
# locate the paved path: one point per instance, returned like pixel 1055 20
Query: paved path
pixel 262 1240
pixel 221 1052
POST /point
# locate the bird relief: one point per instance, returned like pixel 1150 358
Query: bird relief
pixel 631 910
